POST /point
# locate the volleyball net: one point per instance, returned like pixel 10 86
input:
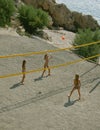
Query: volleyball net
pixel 51 51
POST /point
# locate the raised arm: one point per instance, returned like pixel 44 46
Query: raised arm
pixel 50 57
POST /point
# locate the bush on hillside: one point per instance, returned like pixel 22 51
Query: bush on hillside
pixel 32 19
pixel 7 8
pixel 87 36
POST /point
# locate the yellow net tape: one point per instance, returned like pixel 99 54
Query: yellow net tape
pixel 52 67
pixel 42 52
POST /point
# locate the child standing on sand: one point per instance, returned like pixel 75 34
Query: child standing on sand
pixel 23 71
pixel 77 85
pixel 46 58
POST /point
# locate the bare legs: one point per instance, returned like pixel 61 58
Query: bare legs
pixel 45 70
pixel 73 91
pixel 48 71
pixel 23 78
pixel 79 93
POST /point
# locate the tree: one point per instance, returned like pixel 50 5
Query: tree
pixel 32 18
pixel 7 8
pixel 87 36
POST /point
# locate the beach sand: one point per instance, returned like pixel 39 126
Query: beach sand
pixel 42 103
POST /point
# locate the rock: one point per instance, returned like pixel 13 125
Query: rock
pixel 63 17
pixel 45 4
pixel 84 21
pixel 18 3
pixel 44 35
pixel 21 30
pixel 6 26
pixel 39 92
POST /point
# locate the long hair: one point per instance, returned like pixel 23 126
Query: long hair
pixel 23 64
pixel 76 79
pixel 45 56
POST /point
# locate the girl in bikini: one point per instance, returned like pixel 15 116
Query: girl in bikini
pixel 23 71
pixel 46 58
pixel 77 85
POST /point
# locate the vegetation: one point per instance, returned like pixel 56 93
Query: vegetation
pixel 32 19
pixel 87 36
pixel 7 8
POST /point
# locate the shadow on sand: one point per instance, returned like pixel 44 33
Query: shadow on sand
pixel 39 78
pixel 15 85
pixel 89 70
pixel 70 103
pixel 94 87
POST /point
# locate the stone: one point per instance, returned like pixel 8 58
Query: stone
pixel 63 17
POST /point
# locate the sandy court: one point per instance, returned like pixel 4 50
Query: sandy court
pixel 60 38
pixel 41 104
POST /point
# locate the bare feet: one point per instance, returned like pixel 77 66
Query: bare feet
pixel 68 98
pixel 21 83
pixel 79 98
pixel 49 74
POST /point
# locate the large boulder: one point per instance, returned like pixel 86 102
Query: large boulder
pixel 84 21
pixel 63 17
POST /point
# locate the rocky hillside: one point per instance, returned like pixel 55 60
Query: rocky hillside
pixel 63 17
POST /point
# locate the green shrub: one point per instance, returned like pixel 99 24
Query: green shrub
pixel 32 19
pixel 6 10
pixel 87 36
